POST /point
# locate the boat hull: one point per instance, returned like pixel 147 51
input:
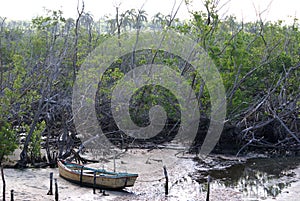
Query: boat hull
pixel 104 180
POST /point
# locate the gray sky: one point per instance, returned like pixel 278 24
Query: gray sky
pixel 243 9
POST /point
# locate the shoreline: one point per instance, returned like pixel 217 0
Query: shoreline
pixel 33 183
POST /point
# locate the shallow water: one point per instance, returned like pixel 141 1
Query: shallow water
pixel 258 178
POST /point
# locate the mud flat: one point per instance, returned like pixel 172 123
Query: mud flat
pixel 33 184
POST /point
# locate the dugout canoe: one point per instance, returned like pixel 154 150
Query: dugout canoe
pixel 84 176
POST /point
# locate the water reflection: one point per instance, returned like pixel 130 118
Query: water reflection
pixel 256 178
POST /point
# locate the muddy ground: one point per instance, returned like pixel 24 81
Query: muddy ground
pixel 33 184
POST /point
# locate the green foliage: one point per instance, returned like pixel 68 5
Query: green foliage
pixel 52 19
pixel 34 147
pixel 8 141
pixel 251 58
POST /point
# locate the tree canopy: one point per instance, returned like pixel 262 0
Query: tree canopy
pixel 259 63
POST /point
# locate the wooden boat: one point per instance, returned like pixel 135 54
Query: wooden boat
pixel 84 176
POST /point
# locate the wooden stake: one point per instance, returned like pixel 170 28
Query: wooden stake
pixel 104 193
pixel 56 190
pixel 11 195
pixel 94 185
pixel 208 188
pixel 81 172
pixel 50 192
pixel 114 162
pixel 3 180
pixel 167 181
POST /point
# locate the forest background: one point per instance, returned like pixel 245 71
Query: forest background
pixel 39 61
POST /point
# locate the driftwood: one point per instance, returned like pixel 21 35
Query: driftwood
pixel 273 120
pixel 76 156
pixel 44 164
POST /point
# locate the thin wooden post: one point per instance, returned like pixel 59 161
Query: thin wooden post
pixel 3 180
pixel 94 185
pixel 114 162
pixel 11 195
pixel 56 190
pixel 167 181
pixel 81 172
pixel 208 188
pixel 50 192
pixel 104 193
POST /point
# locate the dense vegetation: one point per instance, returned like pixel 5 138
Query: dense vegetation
pixel 259 63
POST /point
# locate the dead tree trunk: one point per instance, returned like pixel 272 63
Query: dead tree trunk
pixel 24 155
pixel 75 55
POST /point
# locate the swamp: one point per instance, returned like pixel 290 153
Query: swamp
pixel 201 107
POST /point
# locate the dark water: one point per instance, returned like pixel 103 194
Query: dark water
pixel 256 178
